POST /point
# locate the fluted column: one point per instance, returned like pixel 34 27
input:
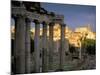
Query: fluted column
pixel 19 51
pixel 44 49
pixel 37 46
pixel 27 46
pixel 51 46
pixel 62 50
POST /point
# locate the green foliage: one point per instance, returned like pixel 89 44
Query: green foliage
pixel 90 45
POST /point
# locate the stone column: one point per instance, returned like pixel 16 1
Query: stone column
pixel 62 50
pixel 67 46
pixel 51 46
pixel 80 49
pixel 37 46
pixel 44 49
pixel 27 46
pixel 19 52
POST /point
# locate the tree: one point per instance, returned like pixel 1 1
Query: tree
pixel 90 46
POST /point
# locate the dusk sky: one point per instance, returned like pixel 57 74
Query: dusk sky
pixel 74 15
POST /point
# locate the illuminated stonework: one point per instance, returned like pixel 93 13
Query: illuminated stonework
pixel 74 38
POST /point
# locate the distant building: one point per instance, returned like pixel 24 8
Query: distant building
pixel 86 32
pixel 91 35
pixel 73 37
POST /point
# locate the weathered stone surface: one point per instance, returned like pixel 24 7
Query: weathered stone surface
pixel 37 46
pixel 51 46
pixel 44 49
pixel 62 49
pixel 27 47
pixel 19 52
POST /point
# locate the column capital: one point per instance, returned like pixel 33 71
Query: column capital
pixel 18 16
pixel 27 20
pixel 51 24
pixel 44 23
pixel 36 21
pixel 14 17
